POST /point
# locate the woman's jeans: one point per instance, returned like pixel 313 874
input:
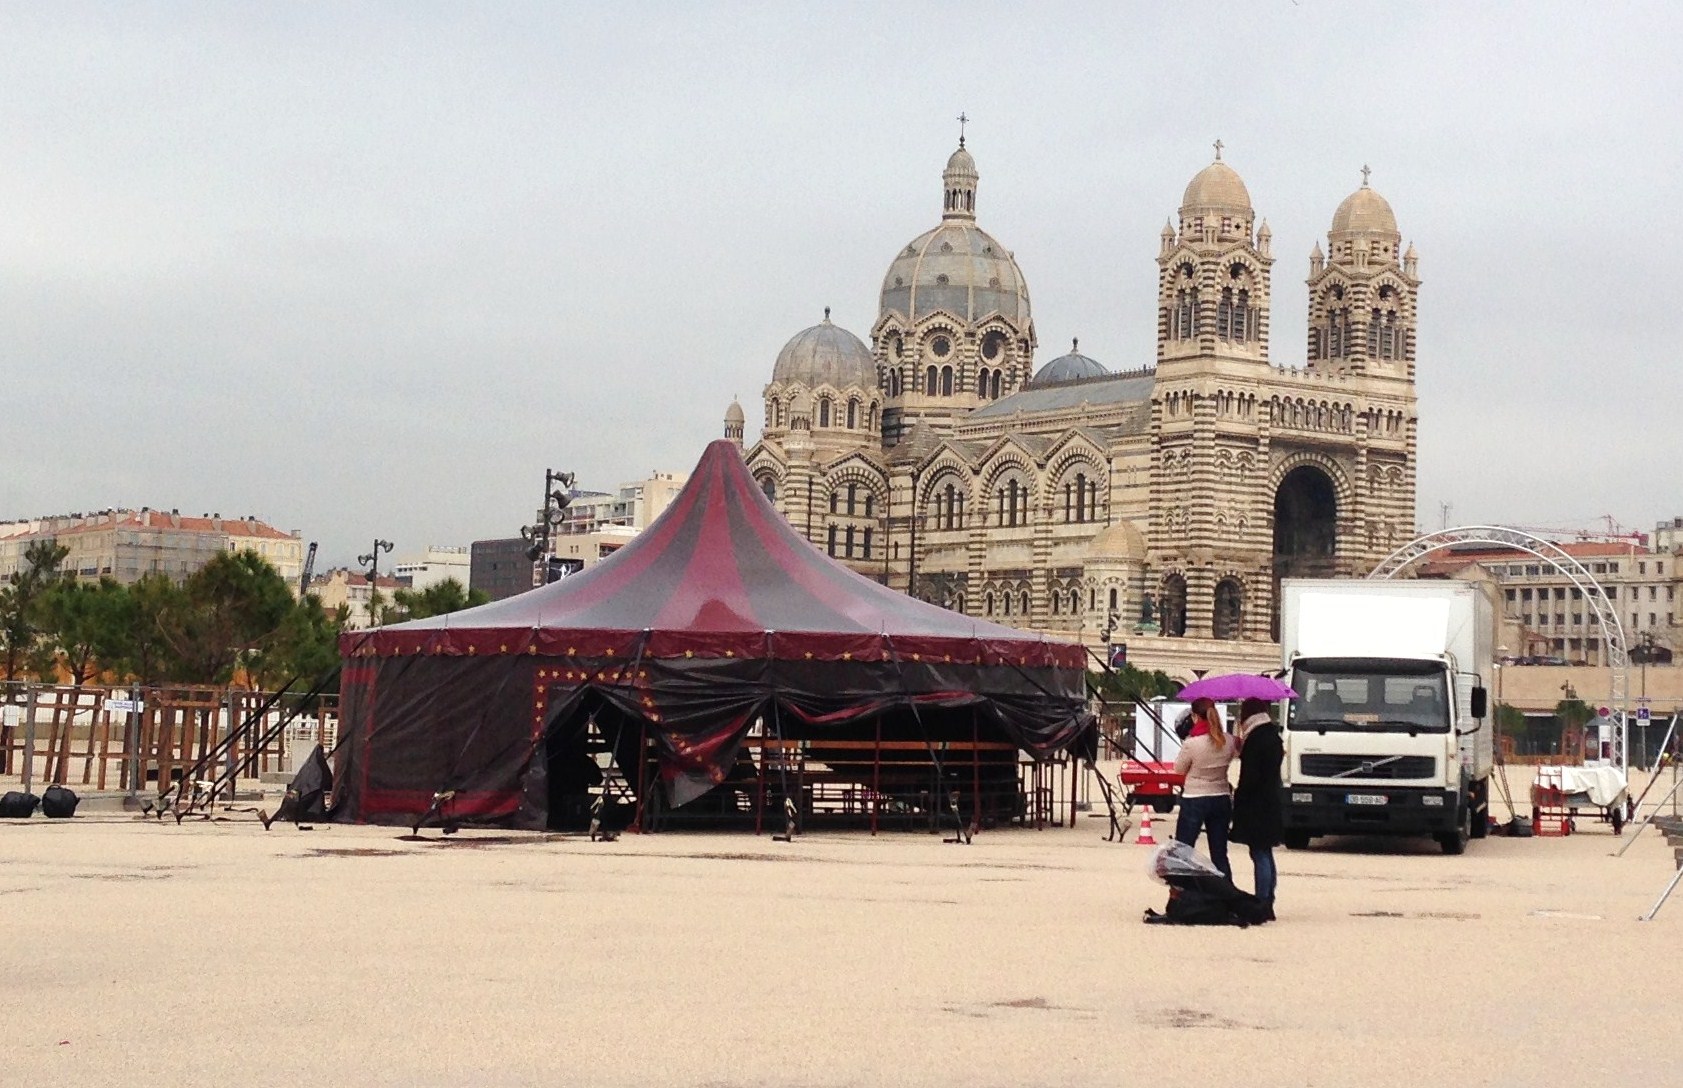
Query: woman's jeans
pixel 1212 814
pixel 1262 859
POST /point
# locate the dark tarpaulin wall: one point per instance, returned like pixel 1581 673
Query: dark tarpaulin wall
pixel 718 614
pixel 475 727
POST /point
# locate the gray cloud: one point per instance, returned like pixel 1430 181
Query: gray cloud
pixel 370 270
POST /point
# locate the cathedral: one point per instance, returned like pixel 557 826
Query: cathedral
pixel 1157 506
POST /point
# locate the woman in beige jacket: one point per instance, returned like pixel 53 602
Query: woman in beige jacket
pixel 1206 800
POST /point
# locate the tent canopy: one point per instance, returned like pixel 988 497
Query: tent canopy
pixel 720 572
pixel 717 616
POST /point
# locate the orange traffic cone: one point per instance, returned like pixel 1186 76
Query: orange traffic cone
pixel 1146 838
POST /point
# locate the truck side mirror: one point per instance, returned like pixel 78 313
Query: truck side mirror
pixel 1481 702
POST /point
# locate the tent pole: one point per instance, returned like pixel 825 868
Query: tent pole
pixel 642 773
pixel 975 770
pixel 760 792
pixel 876 777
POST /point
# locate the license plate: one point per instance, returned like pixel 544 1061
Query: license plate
pixel 1366 799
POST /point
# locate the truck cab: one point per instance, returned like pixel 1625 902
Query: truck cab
pixel 1387 734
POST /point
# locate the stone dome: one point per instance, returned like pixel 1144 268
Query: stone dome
pixel 962 164
pixel 825 354
pixel 1217 187
pixel 1118 541
pixel 734 413
pixel 957 268
pixel 1364 211
pixel 1067 368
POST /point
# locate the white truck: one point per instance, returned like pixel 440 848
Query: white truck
pixel 1389 732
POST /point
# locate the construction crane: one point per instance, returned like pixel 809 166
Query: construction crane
pixel 309 569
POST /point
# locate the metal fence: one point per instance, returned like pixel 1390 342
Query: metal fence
pixel 138 739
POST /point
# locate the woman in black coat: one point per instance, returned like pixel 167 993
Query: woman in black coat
pixel 1258 821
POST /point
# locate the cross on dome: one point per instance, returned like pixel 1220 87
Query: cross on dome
pixel 962 121
pixel 1218 146
pixel 1365 172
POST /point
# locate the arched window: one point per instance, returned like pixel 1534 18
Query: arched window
pixel 852 414
pixel 849 539
pixel 994 395
pixel 830 542
pixel 1024 601
pixel 958 603
pixel 1057 604
pixel 1182 328
pixel 1229 609
pixel 870 501
pixel 1074 601
pixel 931 376
pixel 946 381
pixel 835 500
pixel 1174 606
pixel 1005 604
pixel 823 411
pixel 871 418
pixel 982 382
pixel 867 536
pixel 768 484
pixel 1224 315
pixel 988 603
pixel 852 497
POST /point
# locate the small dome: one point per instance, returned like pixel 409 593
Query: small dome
pixel 1118 541
pixel 734 413
pixel 962 164
pixel 1217 186
pixel 826 354
pixel 1366 211
pixel 1067 368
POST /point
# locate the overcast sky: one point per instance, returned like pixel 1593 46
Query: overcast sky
pixel 370 269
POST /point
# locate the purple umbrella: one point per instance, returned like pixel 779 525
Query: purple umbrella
pixel 1239 685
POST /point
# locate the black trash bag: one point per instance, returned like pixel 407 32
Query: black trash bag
pixel 59 803
pixel 18 806
pixel 306 795
pixel 1199 895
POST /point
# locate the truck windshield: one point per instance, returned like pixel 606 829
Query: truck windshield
pixel 1362 695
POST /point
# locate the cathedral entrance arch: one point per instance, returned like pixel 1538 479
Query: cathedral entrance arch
pixel 1305 529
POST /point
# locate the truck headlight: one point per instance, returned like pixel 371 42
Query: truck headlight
pixel 1433 799
pixel 1302 798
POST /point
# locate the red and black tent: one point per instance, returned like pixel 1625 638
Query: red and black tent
pixel 717 617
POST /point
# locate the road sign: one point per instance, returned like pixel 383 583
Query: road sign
pixel 1118 654
pixel 1604 711
pixel 1642 714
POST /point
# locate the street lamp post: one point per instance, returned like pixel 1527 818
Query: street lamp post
pixel 372 562
pixel 557 496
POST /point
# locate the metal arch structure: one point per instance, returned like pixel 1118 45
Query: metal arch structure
pixel 1612 631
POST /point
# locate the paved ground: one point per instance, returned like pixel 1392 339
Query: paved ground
pixel 132 951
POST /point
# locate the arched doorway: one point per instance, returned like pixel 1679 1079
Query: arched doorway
pixel 1305 530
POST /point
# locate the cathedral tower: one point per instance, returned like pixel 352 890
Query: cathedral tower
pixel 1362 292
pixel 954 329
pixel 1213 273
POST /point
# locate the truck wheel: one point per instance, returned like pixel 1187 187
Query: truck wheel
pixel 1295 840
pixel 1455 842
pixel 1480 804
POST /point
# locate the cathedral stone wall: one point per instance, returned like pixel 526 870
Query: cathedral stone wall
pixel 1158 506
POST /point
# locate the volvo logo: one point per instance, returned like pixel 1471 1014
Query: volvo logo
pixel 1367 766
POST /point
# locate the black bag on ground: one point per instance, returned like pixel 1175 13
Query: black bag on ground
pixel 18 806
pixel 59 803
pixel 1199 895
pixel 306 795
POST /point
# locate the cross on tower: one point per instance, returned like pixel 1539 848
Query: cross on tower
pixel 962 121
pixel 1218 146
pixel 1365 173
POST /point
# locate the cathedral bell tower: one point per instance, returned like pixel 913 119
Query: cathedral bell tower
pixel 1362 292
pixel 1213 274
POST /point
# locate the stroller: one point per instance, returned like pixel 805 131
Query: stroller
pixel 1198 894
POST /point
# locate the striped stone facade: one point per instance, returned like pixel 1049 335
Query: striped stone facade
pixel 1157 506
